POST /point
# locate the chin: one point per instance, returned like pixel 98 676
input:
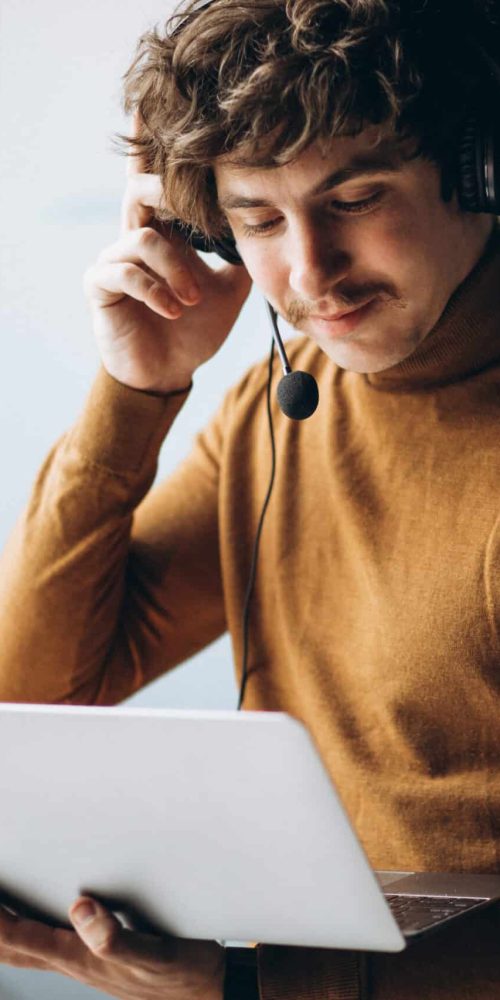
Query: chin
pixel 364 366
pixel 366 359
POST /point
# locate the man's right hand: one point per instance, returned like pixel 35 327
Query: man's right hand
pixel 158 310
pixel 122 963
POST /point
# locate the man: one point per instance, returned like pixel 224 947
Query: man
pixel 325 137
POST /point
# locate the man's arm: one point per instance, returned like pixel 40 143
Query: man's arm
pixel 96 600
pixel 100 589
pixel 77 581
pixel 92 605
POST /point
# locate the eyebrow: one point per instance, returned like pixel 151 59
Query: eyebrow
pixel 359 166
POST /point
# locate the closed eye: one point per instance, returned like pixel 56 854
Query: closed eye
pixel 346 207
pixel 357 206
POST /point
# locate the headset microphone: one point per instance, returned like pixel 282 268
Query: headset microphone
pixel 297 392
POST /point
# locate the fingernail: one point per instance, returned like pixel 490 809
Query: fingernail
pixel 83 913
pixel 190 293
pixel 168 302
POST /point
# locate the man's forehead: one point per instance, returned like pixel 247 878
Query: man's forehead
pixel 320 164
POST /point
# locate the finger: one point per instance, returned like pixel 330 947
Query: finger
pixel 144 190
pixel 18 960
pixel 141 201
pixel 105 937
pixel 136 159
pixel 10 955
pixel 108 284
pixel 162 256
pixel 32 942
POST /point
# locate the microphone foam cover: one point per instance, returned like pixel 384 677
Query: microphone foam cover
pixel 298 395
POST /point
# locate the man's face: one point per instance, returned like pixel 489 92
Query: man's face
pixel 360 232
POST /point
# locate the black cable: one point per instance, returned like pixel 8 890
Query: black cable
pixel 255 553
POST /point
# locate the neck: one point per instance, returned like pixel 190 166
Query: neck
pixel 477 234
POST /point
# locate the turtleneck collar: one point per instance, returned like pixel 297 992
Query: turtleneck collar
pixel 466 338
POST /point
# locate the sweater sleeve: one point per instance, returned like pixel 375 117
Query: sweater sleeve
pixel 103 588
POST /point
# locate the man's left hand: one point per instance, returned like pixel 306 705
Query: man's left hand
pixel 101 953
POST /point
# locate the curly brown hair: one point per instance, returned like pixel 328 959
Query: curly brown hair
pixel 262 79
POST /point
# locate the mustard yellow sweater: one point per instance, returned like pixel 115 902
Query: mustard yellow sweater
pixel 376 613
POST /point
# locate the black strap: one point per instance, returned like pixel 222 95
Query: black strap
pixel 241 979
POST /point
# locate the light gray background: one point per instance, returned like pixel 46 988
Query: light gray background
pixel 61 184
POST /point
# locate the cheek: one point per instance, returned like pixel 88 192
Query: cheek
pixel 398 247
pixel 266 269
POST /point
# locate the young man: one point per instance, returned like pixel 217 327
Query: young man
pixel 324 135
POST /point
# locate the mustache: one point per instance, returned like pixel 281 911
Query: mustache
pixel 345 299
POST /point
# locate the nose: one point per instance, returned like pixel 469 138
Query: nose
pixel 317 261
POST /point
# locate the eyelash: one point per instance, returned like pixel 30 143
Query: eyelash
pixel 349 207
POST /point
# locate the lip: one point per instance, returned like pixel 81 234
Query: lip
pixel 341 323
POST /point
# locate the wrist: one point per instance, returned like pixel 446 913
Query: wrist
pixel 170 385
pixel 122 429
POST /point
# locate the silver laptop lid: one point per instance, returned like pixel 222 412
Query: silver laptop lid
pixel 217 825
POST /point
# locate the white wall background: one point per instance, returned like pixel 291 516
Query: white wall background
pixel 60 188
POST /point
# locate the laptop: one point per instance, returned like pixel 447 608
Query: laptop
pixel 215 825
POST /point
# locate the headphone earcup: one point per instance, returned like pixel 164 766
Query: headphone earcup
pixel 471 192
pixel 479 164
pixel 224 246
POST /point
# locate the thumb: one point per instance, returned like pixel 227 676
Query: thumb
pixel 96 926
pixel 104 935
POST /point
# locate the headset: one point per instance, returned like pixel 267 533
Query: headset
pixel 477 177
